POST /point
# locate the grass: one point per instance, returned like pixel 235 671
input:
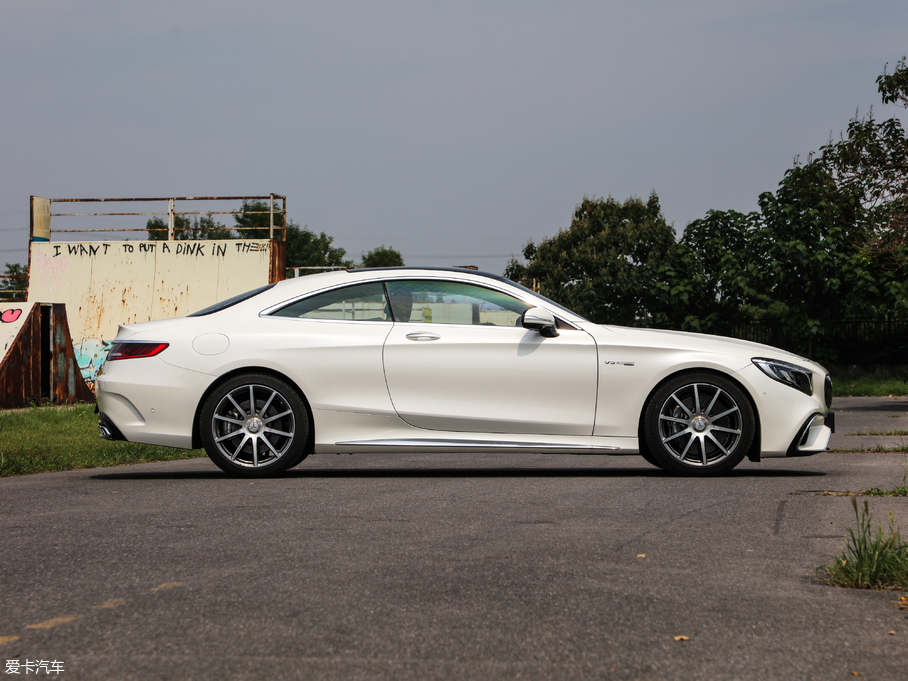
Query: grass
pixel 869 386
pixel 876 449
pixel 869 561
pixel 897 491
pixel 880 433
pixel 44 439
pixel 888 433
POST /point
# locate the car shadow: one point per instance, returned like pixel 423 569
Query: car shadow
pixel 440 473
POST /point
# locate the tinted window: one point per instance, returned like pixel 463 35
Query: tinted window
pixel 361 303
pixel 224 304
pixel 447 302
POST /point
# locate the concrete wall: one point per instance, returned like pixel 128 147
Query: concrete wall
pixel 108 283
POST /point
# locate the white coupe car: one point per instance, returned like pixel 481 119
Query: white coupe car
pixel 452 360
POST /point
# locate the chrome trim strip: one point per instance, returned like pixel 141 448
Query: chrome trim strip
pixel 805 430
pixel 479 444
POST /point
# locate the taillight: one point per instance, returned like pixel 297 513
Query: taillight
pixel 135 350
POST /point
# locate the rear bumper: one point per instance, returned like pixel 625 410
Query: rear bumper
pixel 107 429
pixel 149 402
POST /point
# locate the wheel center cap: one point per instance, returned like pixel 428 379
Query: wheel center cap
pixel 700 424
pixel 253 425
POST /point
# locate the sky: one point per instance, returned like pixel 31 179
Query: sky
pixel 453 132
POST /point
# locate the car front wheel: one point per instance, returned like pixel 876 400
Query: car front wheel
pixel 699 424
pixel 255 425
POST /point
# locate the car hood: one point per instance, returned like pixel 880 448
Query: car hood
pixel 685 340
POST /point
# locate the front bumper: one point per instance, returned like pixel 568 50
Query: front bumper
pixel 813 436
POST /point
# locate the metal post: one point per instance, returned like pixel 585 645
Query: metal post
pixel 170 219
pixel 271 230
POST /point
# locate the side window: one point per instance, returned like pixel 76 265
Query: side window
pixel 361 303
pixel 445 302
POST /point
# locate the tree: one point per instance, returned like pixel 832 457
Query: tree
pixel 871 161
pixel 607 263
pixel 255 221
pixel 304 247
pixel 307 249
pixel 798 264
pixel 188 229
pixel 17 281
pixel 382 256
pixel 719 262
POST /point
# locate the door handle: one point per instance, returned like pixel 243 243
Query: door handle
pixel 422 336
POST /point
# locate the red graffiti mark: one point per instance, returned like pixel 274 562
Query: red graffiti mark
pixel 9 316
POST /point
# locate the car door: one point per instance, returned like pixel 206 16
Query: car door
pixel 330 344
pixel 457 359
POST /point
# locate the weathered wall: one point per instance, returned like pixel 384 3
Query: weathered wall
pixel 107 283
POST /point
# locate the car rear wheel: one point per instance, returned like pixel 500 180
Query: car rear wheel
pixel 699 424
pixel 255 425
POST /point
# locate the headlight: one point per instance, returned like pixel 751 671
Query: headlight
pixel 789 374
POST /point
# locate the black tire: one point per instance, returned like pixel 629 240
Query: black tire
pixel 648 455
pixel 699 424
pixel 266 438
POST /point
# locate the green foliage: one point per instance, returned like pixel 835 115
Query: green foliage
pixel 255 221
pixel 45 439
pixel 516 270
pixel 871 162
pixel 869 561
pixel 382 256
pixel 304 248
pixel 308 249
pixel 18 282
pixel 607 264
pixel 188 229
pixel 897 491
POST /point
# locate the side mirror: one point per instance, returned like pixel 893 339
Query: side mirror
pixel 541 320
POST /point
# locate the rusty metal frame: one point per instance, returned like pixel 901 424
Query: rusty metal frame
pixel 282 211
pixel 41 363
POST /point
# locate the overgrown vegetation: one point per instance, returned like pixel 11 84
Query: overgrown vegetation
pixel 870 560
pixel 44 439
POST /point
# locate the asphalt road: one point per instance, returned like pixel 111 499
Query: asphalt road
pixel 444 566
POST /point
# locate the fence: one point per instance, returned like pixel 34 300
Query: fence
pixel 41 214
pixel 866 341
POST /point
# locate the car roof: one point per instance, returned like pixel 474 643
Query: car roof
pixel 454 270
pixel 312 283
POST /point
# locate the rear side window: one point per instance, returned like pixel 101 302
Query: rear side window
pixel 224 304
pixel 358 303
